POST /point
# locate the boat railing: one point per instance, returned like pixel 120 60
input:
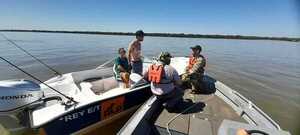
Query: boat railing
pixel 242 103
pixel 258 110
pixel 105 63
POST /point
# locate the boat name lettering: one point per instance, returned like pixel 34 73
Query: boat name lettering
pixel 81 113
pixel 16 97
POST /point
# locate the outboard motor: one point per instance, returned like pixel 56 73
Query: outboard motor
pixel 17 98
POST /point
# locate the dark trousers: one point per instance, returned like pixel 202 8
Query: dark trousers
pixel 137 67
pixel 170 100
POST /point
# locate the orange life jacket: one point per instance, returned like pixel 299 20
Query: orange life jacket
pixel 192 61
pixel 155 73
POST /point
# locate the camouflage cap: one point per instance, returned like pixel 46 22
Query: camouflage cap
pixel 163 55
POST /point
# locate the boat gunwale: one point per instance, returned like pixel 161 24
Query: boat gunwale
pixel 241 111
pixel 239 106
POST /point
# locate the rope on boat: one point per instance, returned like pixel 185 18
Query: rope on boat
pixel 173 118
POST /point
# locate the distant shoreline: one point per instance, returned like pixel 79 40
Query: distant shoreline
pixel 165 35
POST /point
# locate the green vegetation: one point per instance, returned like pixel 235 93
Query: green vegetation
pixel 166 35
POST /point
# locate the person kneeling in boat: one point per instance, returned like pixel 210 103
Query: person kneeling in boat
pixel 165 81
pixel 122 68
pixel 194 71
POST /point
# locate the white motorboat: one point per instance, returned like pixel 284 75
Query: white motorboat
pixel 89 100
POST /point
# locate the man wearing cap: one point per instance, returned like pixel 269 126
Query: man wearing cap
pixel 165 81
pixel 195 70
pixel 134 53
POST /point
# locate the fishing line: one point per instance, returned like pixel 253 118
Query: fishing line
pixel 14 44
pixel 70 98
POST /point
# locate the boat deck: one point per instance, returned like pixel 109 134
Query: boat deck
pixel 201 113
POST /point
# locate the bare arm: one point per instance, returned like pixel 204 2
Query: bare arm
pixel 241 132
pixel 129 51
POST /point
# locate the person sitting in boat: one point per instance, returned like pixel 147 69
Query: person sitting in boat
pixel 195 70
pixel 121 68
pixel 165 81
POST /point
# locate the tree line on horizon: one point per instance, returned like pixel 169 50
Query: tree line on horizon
pixel 166 35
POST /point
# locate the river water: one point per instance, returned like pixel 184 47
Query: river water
pixel 267 72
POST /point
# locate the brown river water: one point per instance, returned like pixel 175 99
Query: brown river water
pixel 266 72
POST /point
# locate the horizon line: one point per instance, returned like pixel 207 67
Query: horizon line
pixel 161 34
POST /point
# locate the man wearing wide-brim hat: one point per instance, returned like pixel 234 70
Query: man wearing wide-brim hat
pixel 194 71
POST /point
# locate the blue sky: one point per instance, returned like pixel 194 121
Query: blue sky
pixel 244 17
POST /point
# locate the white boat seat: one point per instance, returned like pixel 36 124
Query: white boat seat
pixel 104 85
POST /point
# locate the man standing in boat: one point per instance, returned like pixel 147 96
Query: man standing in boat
pixel 165 81
pixel 134 53
pixel 195 70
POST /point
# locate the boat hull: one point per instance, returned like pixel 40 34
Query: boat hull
pixel 97 113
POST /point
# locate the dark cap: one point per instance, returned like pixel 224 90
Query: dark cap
pixel 198 47
pixel 165 54
pixel 165 57
pixel 139 33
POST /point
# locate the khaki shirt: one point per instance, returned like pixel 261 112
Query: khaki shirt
pixel 198 67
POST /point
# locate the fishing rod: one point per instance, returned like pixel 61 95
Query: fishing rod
pixel 19 47
pixel 35 78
